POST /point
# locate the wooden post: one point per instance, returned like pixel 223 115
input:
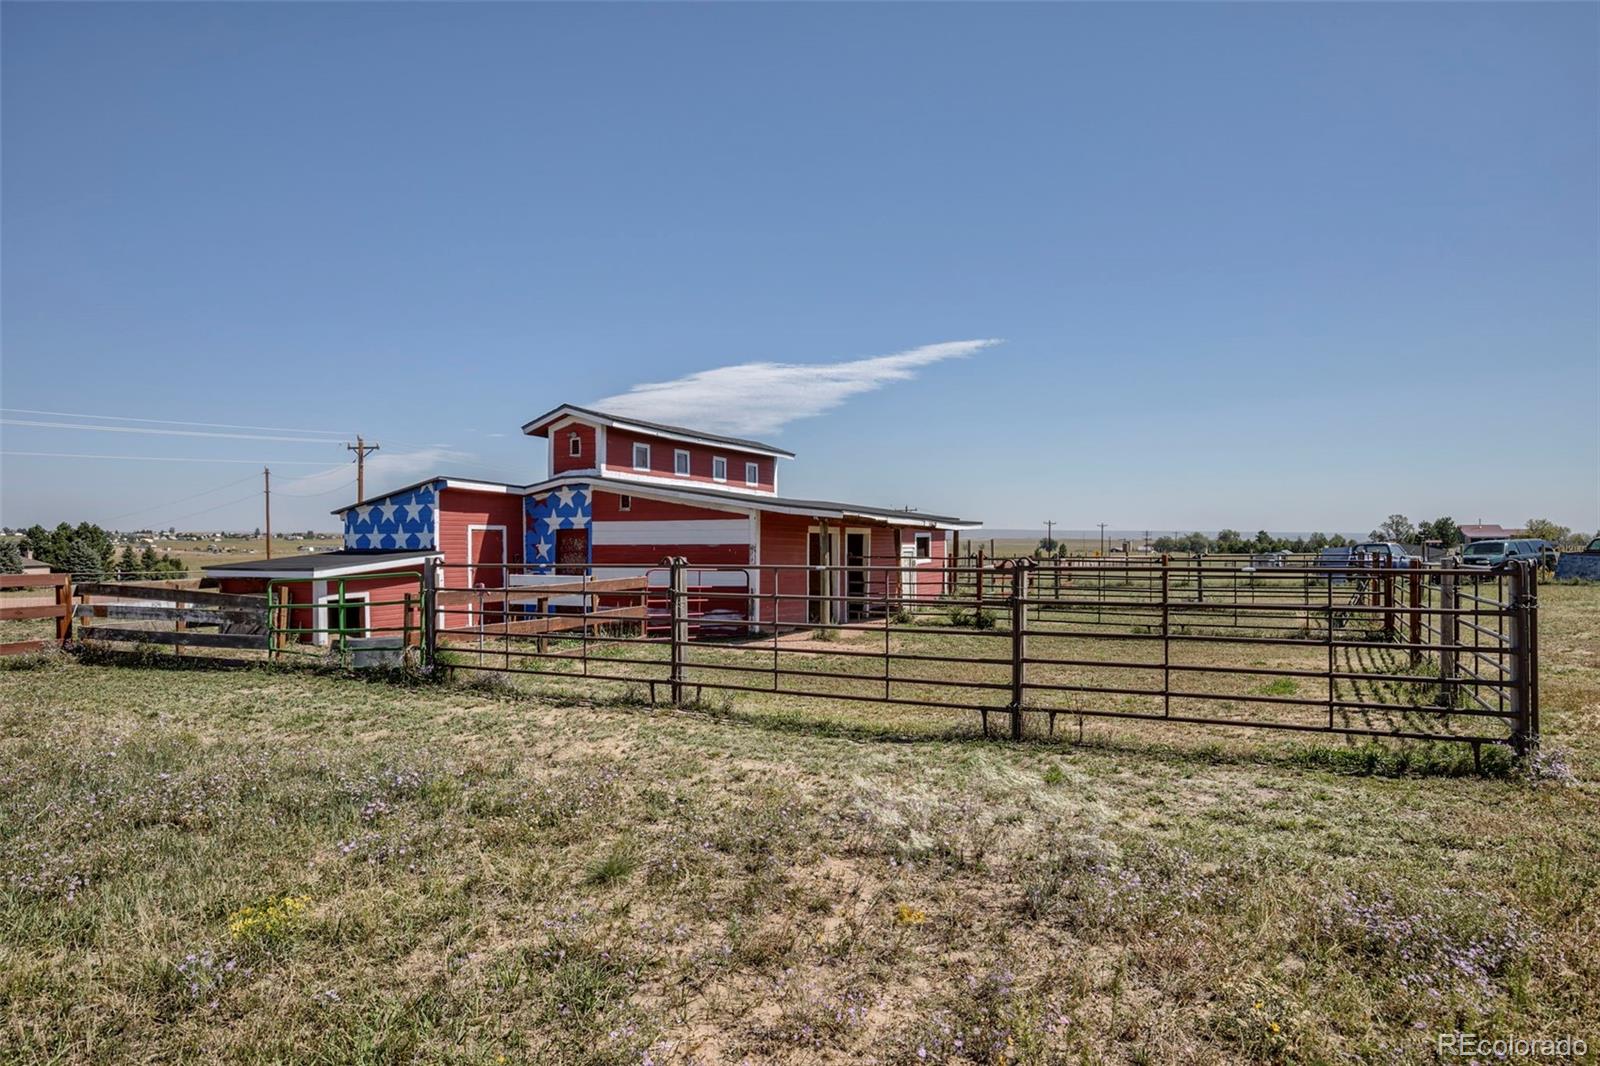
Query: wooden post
pixel 953 565
pixel 978 574
pixel 678 602
pixel 64 601
pixel 1019 642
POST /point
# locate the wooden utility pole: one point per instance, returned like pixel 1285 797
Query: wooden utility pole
pixel 1049 540
pixel 266 491
pixel 361 448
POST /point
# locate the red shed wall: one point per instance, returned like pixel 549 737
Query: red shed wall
pixel 386 610
pixel 460 508
pixel 783 543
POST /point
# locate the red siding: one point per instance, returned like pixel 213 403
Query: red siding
pixel 783 542
pixel 604 508
pixel 561 448
pixel 619 457
pixel 386 610
pixel 460 508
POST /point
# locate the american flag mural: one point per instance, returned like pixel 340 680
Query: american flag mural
pixel 565 508
pixel 401 520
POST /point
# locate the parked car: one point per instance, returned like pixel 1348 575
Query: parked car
pixel 1380 553
pixel 1497 554
pixel 1336 559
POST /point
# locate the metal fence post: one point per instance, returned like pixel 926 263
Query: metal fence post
pixel 1449 637
pixel 1416 611
pixel 430 614
pixel 1521 689
pixel 678 603
pixel 1166 636
pixel 1019 642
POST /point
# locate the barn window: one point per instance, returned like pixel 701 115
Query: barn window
pixel 680 463
pixel 624 503
pixel 719 468
pixel 574 444
pixel 924 545
pixel 641 457
pixel 752 474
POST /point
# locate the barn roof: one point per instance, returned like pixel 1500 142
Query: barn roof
pixel 318 564
pixel 1488 532
pixel 748 501
pixel 539 426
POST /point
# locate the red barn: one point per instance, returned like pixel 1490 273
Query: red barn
pixel 619 495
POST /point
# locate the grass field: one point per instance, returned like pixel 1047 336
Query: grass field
pixel 286 865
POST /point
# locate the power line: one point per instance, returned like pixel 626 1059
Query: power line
pixel 163 432
pixel 218 507
pixel 181 499
pixel 173 422
pixel 171 458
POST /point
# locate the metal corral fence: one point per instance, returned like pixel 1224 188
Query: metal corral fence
pixel 1424 652
pixel 1420 653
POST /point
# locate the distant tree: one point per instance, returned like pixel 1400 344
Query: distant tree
pixel 1444 530
pixel 84 561
pixel 147 559
pixel 10 557
pixel 1398 528
pixel 1544 529
pixel 127 562
pixel 1338 540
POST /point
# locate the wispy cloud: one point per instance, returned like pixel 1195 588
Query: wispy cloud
pixel 764 397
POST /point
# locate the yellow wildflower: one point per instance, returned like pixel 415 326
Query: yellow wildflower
pixel 906 914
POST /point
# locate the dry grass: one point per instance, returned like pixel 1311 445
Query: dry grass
pixel 488 877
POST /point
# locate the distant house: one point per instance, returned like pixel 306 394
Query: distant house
pixel 619 495
pixel 1488 532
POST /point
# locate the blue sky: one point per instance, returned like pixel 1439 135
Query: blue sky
pixel 1280 266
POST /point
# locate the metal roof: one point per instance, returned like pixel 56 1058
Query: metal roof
pixel 760 501
pixel 312 563
pixel 658 427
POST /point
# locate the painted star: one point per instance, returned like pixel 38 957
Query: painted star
pixel 564 494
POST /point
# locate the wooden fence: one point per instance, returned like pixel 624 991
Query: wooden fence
pixel 61 610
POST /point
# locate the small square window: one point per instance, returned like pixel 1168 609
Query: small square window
pixel 924 545
pixel 680 463
pixel 752 473
pixel 641 457
pixel 719 468
pixel 624 503
pixel 574 444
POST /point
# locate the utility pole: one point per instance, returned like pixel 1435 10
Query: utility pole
pixel 266 491
pixel 1102 540
pixel 361 448
pixel 1049 541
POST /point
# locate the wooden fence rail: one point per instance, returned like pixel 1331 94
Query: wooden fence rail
pixel 61 610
